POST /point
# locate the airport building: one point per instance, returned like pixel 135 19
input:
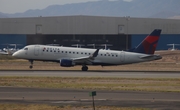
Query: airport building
pixel 117 33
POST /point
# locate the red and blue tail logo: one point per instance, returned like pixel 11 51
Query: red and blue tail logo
pixel 149 44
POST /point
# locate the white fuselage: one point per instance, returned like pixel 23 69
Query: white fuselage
pixel 104 57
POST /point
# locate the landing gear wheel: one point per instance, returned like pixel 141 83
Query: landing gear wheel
pixel 84 68
pixel 31 66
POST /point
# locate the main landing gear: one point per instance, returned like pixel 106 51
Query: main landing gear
pixel 84 68
pixel 31 66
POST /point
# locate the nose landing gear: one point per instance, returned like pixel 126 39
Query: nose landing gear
pixel 31 66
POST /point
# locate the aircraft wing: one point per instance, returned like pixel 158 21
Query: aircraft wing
pixel 86 59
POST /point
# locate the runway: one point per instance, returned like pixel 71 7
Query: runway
pixel 152 100
pixel 120 74
pixel 81 97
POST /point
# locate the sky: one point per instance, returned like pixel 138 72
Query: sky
pixel 16 6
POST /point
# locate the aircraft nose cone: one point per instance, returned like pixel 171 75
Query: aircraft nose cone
pixel 15 54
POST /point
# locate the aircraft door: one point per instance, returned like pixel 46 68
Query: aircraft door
pixel 36 50
pixel 122 56
pixel 26 51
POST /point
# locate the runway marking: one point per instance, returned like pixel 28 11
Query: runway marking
pixel 94 99
pixel 65 102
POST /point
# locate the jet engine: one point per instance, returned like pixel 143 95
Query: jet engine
pixel 66 63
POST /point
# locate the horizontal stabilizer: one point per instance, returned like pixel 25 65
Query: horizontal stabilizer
pixel 146 56
pixel 155 57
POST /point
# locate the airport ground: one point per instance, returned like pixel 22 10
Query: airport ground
pixel 169 62
pixel 151 85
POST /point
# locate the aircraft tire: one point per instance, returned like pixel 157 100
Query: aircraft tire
pixel 31 67
pixel 84 68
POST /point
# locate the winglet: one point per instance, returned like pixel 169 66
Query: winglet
pixel 95 53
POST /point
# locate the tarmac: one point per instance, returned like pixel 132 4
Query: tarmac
pixel 152 100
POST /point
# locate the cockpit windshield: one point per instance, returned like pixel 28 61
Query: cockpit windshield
pixel 26 48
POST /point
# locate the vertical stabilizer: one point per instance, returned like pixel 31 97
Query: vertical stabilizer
pixel 149 44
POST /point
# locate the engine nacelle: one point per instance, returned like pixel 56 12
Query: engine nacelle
pixel 66 63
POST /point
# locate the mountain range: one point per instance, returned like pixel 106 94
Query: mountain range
pixel 118 8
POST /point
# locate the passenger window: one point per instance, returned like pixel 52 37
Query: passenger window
pixel 81 53
pixel 77 52
pixel 62 51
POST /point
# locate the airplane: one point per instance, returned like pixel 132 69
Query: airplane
pixel 71 56
pixel 9 51
pixel 2 52
pixel 173 46
pixel 78 45
pixel 94 45
pixel 105 46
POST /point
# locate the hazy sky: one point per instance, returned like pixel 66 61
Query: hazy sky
pixel 14 6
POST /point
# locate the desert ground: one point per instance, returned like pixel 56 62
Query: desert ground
pixel 170 62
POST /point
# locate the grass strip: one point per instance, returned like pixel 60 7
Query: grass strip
pixel 98 83
pixel 49 107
